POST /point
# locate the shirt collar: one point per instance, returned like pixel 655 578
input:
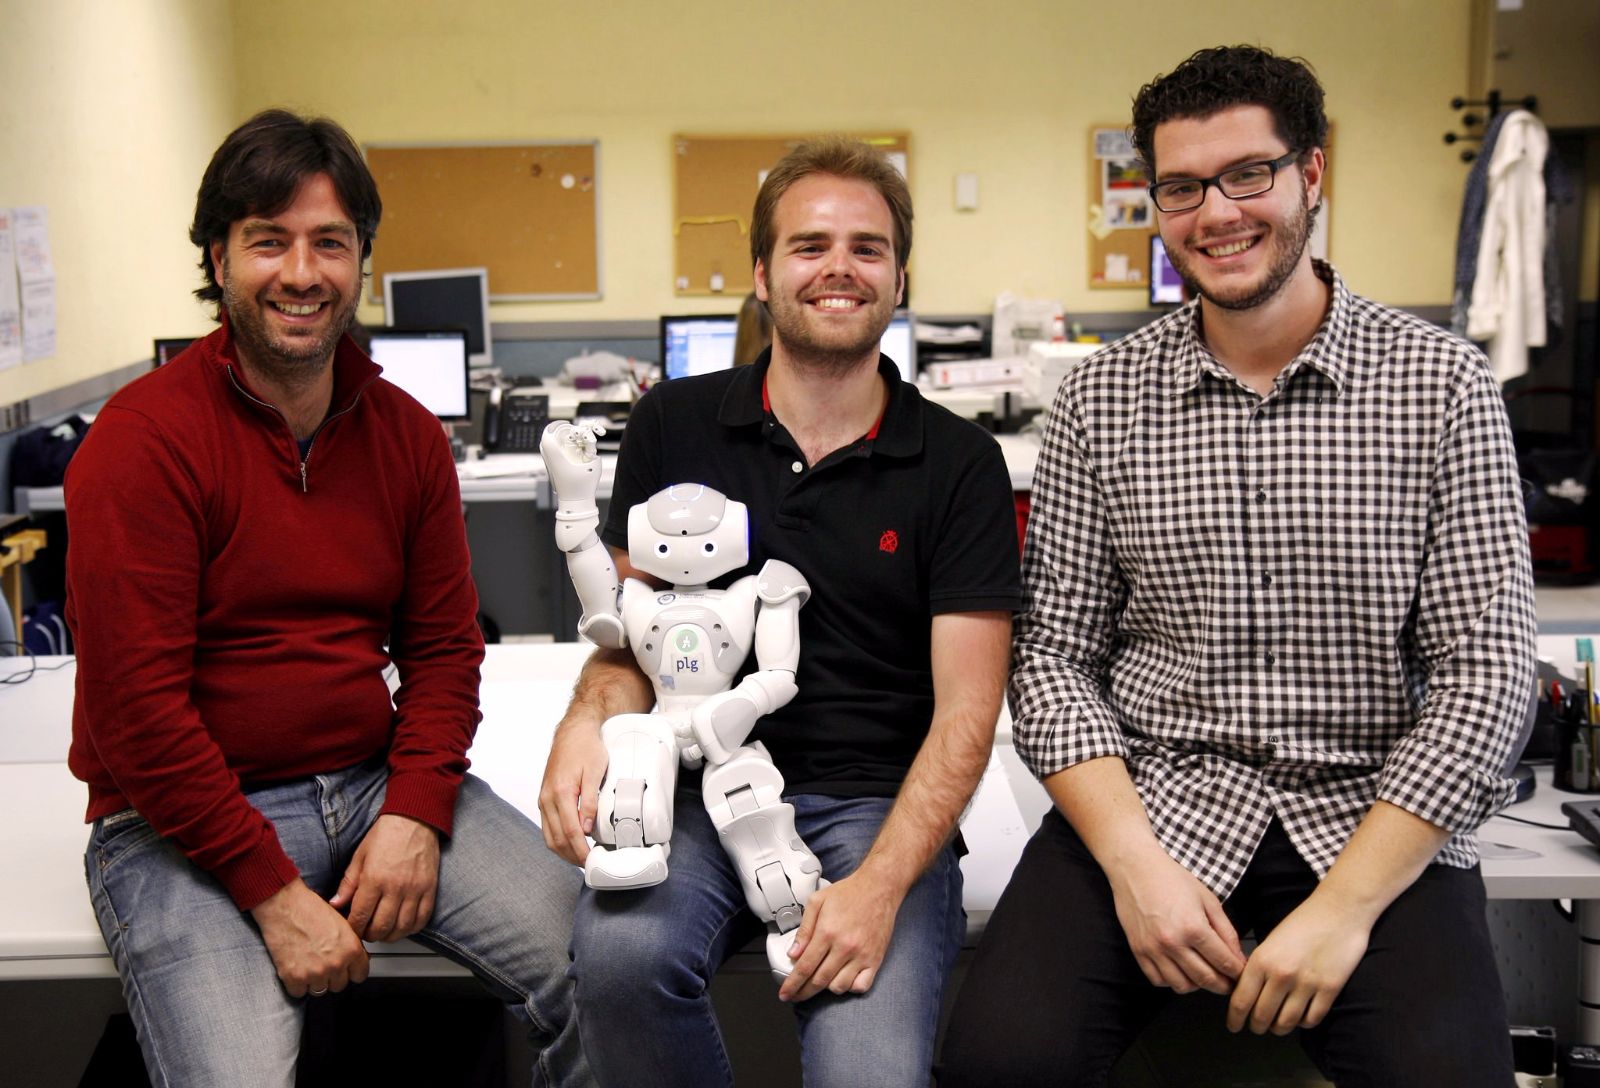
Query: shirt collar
pixel 1325 353
pixel 899 431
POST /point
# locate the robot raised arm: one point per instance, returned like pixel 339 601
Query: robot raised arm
pixel 573 462
pixel 723 722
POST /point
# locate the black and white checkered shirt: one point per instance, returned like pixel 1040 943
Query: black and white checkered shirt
pixel 1289 605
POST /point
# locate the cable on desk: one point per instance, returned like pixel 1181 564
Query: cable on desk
pixel 33 664
pixel 1534 823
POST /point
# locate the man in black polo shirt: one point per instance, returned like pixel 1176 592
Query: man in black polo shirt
pixel 899 515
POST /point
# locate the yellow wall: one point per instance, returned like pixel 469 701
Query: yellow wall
pixel 1005 89
pixel 108 114
pixel 109 110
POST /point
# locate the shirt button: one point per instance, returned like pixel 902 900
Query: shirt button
pixel 1266 579
pixel 1261 494
pixel 1270 658
pixel 797 467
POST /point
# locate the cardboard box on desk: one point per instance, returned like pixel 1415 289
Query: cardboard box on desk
pixel 1048 362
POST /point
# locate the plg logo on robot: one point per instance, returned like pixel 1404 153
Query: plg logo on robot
pixel 687 642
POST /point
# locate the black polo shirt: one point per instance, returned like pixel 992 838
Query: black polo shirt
pixel 889 531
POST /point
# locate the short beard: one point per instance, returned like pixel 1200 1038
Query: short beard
pixel 1295 234
pixel 827 364
pixel 788 329
pixel 294 361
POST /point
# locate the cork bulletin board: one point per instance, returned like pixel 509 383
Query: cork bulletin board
pixel 1121 217
pixel 715 183
pixel 527 212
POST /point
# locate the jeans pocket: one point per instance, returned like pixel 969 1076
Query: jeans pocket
pixel 118 835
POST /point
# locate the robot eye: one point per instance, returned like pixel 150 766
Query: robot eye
pixel 709 547
pixel 662 549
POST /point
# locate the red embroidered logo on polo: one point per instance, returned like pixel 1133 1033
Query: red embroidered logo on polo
pixel 889 542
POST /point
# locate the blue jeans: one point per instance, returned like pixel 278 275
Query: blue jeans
pixel 643 960
pixel 201 987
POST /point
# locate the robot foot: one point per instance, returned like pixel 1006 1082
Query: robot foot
pixel 779 942
pixel 613 868
pixel 778 953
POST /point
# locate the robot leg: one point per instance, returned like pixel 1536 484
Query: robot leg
pixel 778 871
pixel 633 827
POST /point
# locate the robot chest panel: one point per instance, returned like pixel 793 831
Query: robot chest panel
pixel 689 660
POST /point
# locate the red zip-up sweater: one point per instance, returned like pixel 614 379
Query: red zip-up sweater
pixel 231 600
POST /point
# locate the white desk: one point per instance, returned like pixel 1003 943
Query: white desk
pixel 48 930
pixel 521 477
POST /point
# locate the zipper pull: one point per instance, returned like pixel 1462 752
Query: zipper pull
pixel 303 488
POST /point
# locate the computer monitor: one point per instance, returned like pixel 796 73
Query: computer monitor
pixel 430 364
pixel 167 349
pixel 452 298
pixel 697 344
pixel 703 343
pixel 1166 286
pixel 900 344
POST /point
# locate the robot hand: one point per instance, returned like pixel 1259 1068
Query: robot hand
pixel 689 753
pixel 722 722
pixel 572 458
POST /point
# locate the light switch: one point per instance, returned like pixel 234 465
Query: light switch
pixel 966 192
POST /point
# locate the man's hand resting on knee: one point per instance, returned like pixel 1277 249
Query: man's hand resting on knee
pixel 311 944
pixel 390 883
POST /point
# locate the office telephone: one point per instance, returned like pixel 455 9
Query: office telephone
pixel 514 419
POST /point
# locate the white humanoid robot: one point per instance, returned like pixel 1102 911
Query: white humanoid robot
pixel 691 642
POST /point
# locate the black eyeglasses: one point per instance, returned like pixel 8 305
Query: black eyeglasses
pixel 1235 183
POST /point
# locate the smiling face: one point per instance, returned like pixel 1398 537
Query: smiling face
pixel 1237 254
pixel 291 281
pixel 831 283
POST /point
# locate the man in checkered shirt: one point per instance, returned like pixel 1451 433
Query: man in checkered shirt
pixel 1280 644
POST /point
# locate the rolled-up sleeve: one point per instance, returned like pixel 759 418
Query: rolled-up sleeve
pixel 1074 596
pixel 1476 622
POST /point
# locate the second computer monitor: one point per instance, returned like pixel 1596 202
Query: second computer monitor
pixel 900 344
pixel 168 348
pixel 451 298
pixel 697 344
pixel 430 364
pixel 1166 286
pixel 703 343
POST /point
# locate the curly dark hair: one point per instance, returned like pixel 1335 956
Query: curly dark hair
pixel 260 167
pixel 1216 79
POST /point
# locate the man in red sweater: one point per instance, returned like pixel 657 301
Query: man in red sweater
pixel 259 529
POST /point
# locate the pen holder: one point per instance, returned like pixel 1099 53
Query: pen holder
pixel 1577 761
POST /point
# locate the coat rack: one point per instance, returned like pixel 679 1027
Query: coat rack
pixel 1494 103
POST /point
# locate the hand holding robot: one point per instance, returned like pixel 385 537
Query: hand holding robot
pixel 690 641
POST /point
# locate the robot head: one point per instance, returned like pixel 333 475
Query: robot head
pixel 688 534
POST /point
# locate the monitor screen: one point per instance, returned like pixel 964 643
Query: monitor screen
pixel 1166 286
pixel 430 364
pixel 167 348
pixel 704 343
pixel 697 345
pixel 900 344
pixel 456 298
